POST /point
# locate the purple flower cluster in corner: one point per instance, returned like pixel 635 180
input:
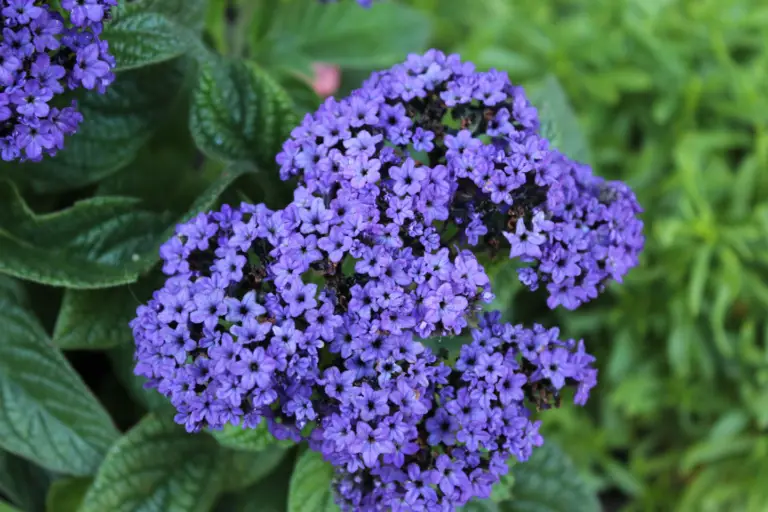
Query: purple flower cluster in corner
pixel 450 156
pixel 41 55
pixel 409 434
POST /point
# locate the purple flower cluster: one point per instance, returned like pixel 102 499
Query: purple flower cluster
pixel 218 341
pixel 436 439
pixel 592 235
pixel 41 55
pixel 393 284
pixel 449 156
pixel 312 316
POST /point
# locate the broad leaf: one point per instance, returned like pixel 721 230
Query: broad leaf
pixel 115 126
pixel 23 483
pixel 93 244
pixel 66 494
pixel 559 123
pixel 239 113
pixel 123 364
pixel 187 13
pixel 156 467
pixel 247 439
pixel 47 414
pixel 145 38
pixel 247 468
pixel 310 487
pixel 549 482
pixel 340 33
pixel 98 319
pixel 6 507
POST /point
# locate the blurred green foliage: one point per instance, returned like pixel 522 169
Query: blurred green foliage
pixel 672 95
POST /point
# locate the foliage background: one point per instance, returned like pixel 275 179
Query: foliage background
pixel 670 95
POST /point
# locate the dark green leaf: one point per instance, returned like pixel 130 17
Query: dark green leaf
pixel 98 319
pixel 187 13
pixel 24 484
pixel 239 113
pixel 156 467
pixel 549 482
pixel 145 38
pixel 95 243
pixel 341 33
pixel 47 414
pixel 245 439
pixel 268 495
pixel 559 123
pixel 116 125
pixel 122 361
pixel 310 487
pixel 67 494
pixel 247 468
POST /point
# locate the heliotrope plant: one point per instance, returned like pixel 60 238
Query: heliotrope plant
pixel 42 54
pixel 312 317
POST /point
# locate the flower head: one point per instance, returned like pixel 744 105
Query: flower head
pixel 42 55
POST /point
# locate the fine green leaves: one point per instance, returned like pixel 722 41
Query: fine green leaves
pixel 239 113
pixel 549 482
pixel 558 120
pixel 341 33
pixel 145 38
pixel 156 467
pixel 310 487
pixel 47 414
pixel 252 440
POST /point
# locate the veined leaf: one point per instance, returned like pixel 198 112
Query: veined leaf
pixel 310 487
pixel 239 113
pixel 549 482
pixel 156 467
pixel 47 414
pixel 145 38
pixel 340 33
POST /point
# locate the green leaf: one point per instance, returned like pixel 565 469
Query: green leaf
pixel 268 495
pixel 98 319
pixel 247 468
pixel 559 123
pixel 247 439
pixel 340 33
pixel 67 494
pixel 93 244
pixel 187 13
pixel 47 414
pixel 145 38
pixel 156 467
pixel 480 506
pixel 5 507
pixel 310 487
pixel 549 482
pixel 115 126
pixel 122 361
pixel 239 113
pixel 24 484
